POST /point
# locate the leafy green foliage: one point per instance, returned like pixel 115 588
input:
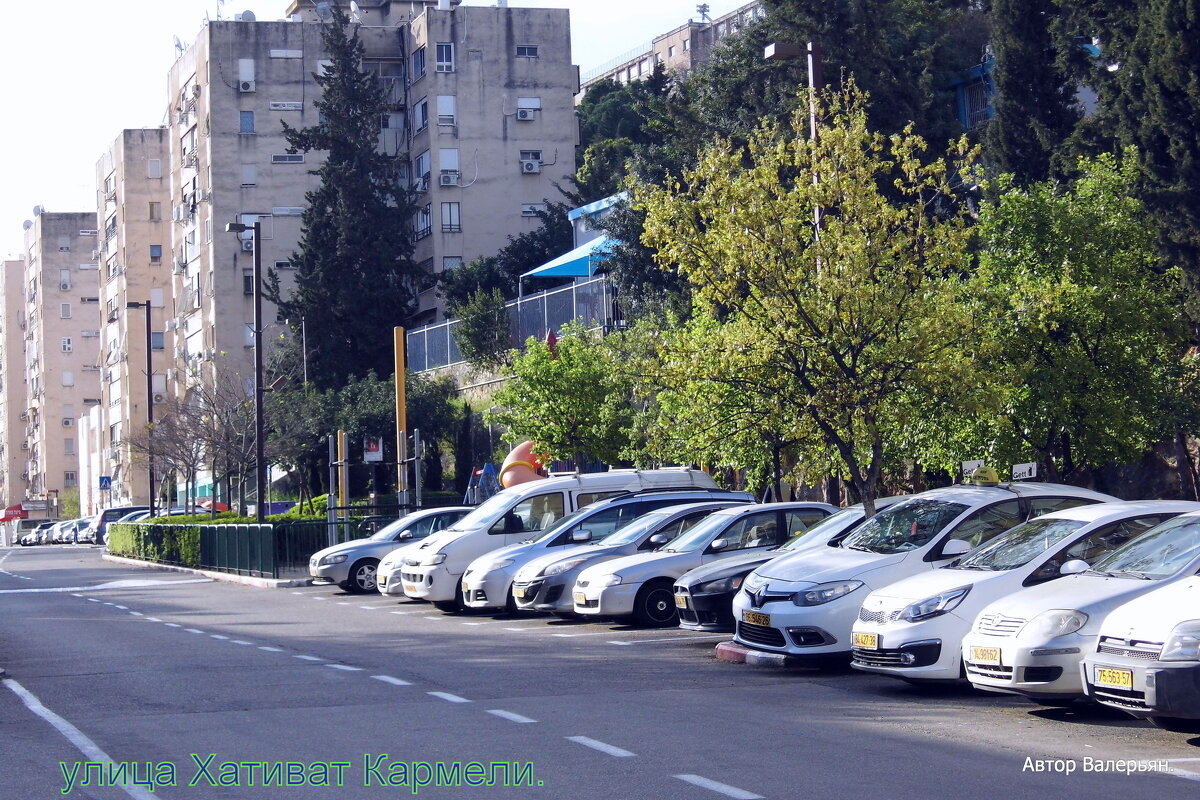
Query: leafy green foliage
pixel 483 333
pixel 354 275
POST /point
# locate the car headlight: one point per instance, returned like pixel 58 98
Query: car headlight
pixel 562 566
pixel 1184 642
pixel 431 560
pixel 731 584
pixel 500 563
pixel 934 606
pixel 825 593
pixel 337 558
pixel 1058 622
pixel 606 580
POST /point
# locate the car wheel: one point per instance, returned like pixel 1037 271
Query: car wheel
pixel 1176 724
pixel 362 576
pixel 655 605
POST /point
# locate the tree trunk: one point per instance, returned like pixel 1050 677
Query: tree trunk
pixel 1185 467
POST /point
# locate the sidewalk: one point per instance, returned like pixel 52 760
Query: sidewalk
pixel 245 580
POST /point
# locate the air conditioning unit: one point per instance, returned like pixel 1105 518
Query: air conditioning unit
pixel 526 114
pixel 25 475
pixel 202 195
pixel 66 287
pixel 95 254
pixel 159 397
pixel 530 167
pixel 449 177
pixel 247 245
pixel 246 86
pixel 171 324
pixel 68 422
pixel 530 210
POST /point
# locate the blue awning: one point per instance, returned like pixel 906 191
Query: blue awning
pixel 579 263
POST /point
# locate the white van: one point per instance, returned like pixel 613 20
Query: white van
pixel 434 572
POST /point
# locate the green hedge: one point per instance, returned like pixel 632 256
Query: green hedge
pixel 176 544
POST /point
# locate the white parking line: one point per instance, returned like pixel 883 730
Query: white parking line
pixel 391 680
pixel 344 667
pixel 319 597
pixel 123 608
pixel 601 746
pixel 92 600
pixel 309 658
pixel 218 636
pixel 673 639
pixel 148 619
pixel 76 595
pixel 720 788
pixel 75 736
pixel 297 592
pixel 172 624
pixel 193 630
pixel 370 608
pixel 109 604
pixel 137 614
pixel 510 716
pixel 271 649
pixel 487 622
pixel 239 641
pixel 402 613
pixel 449 698
pixel 518 629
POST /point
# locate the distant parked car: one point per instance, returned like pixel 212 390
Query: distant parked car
pixel 98 526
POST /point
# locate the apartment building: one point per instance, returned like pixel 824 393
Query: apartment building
pixel 12 381
pixel 62 349
pixel 681 50
pixel 135 267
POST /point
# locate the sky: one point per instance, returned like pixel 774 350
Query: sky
pixel 75 73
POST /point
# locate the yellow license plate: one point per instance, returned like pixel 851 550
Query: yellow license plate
pixel 986 655
pixel 681 600
pixel 580 599
pixel 1114 678
pixel 867 641
pixel 408 587
pixel 518 591
pixel 755 618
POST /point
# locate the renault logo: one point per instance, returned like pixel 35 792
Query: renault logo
pixel 757 597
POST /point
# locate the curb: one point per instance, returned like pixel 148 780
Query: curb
pixel 734 653
pixel 244 580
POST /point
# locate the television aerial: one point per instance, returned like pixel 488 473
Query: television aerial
pixel 37 211
pixel 355 12
pixel 323 10
pixel 27 224
pixel 178 46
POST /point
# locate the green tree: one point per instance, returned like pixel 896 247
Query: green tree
pixel 853 322
pixel 483 333
pixel 1084 335
pixel 354 275
pixel 572 400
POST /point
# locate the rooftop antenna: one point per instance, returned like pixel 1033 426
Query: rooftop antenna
pixel 323 10
pixel 178 46
pixel 355 13
pixel 37 211
pixel 27 224
pixel 702 10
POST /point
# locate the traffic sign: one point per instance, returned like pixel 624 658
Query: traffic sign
pixel 106 483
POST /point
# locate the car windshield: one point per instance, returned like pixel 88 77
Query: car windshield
pixel 635 530
pixel 701 533
pixel 389 531
pixel 826 528
pixel 1019 546
pixel 905 526
pixel 486 514
pixel 570 520
pixel 1158 553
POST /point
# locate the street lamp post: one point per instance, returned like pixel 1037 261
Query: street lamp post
pixel 149 404
pixel 260 471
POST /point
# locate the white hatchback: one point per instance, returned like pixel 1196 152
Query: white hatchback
pixel 913 629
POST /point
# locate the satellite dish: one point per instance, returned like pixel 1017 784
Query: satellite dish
pixel 323 10
pixel 27 224
pixel 247 16
pixel 178 45
pixel 37 211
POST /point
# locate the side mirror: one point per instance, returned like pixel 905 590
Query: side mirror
pixel 405 535
pixel 718 545
pixel 581 536
pixel 955 548
pixel 1074 567
pixel 658 539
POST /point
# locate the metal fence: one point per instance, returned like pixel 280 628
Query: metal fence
pixel 591 302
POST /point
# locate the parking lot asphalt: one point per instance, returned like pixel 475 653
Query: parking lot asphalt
pixel 153 666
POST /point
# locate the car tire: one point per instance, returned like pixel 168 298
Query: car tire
pixel 362 576
pixel 655 605
pixel 1176 724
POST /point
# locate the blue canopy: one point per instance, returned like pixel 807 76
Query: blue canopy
pixel 579 263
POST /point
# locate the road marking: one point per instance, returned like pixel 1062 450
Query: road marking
pixel 344 603
pixel 128 584
pixel 391 680
pixel 674 639
pixel 510 716
pixel 148 619
pixel 449 698
pixel 92 600
pixel 90 749
pixel 271 649
pixel 76 595
pixel 138 614
pixel 309 658
pixel 369 608
pixel 239 641
pixel 435 618
pixel 218 636
pixel 518 629
pixel 109 604
pixel 319 597
pixel 573 635
pixel 401 613
pixel 601 746
pixel 720 788
pixel 488 622
pixel 193 630
pixel 297 592
pixel 345 667
pixel 123 608
pixel 172 624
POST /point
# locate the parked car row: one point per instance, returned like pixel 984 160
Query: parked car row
pixel 1054 592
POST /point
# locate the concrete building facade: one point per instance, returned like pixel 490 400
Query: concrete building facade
pixel 62 349
pixel 12 381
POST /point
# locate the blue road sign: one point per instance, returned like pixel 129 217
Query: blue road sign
pixel 106 483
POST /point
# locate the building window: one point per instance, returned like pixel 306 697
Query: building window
pixel 418 59
pixel 671 51
pixel 66 344
pixel 425 221
pixel 451 222
pixel 154 168
pixel 248 283
pixel 531 155
pixel 245 122
pixel 687 44
pixel 421 114
pixel 447 109
pixel 283 265
pixel 249 175
pixel 527 51
pixel 70 479
pixel 69 447
pixel 287 158
pixel 156 254
pixel 155 212
pixel 157 340
pixel 451 262
pixel 445 57
pixel 64 310
pixel 68 378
